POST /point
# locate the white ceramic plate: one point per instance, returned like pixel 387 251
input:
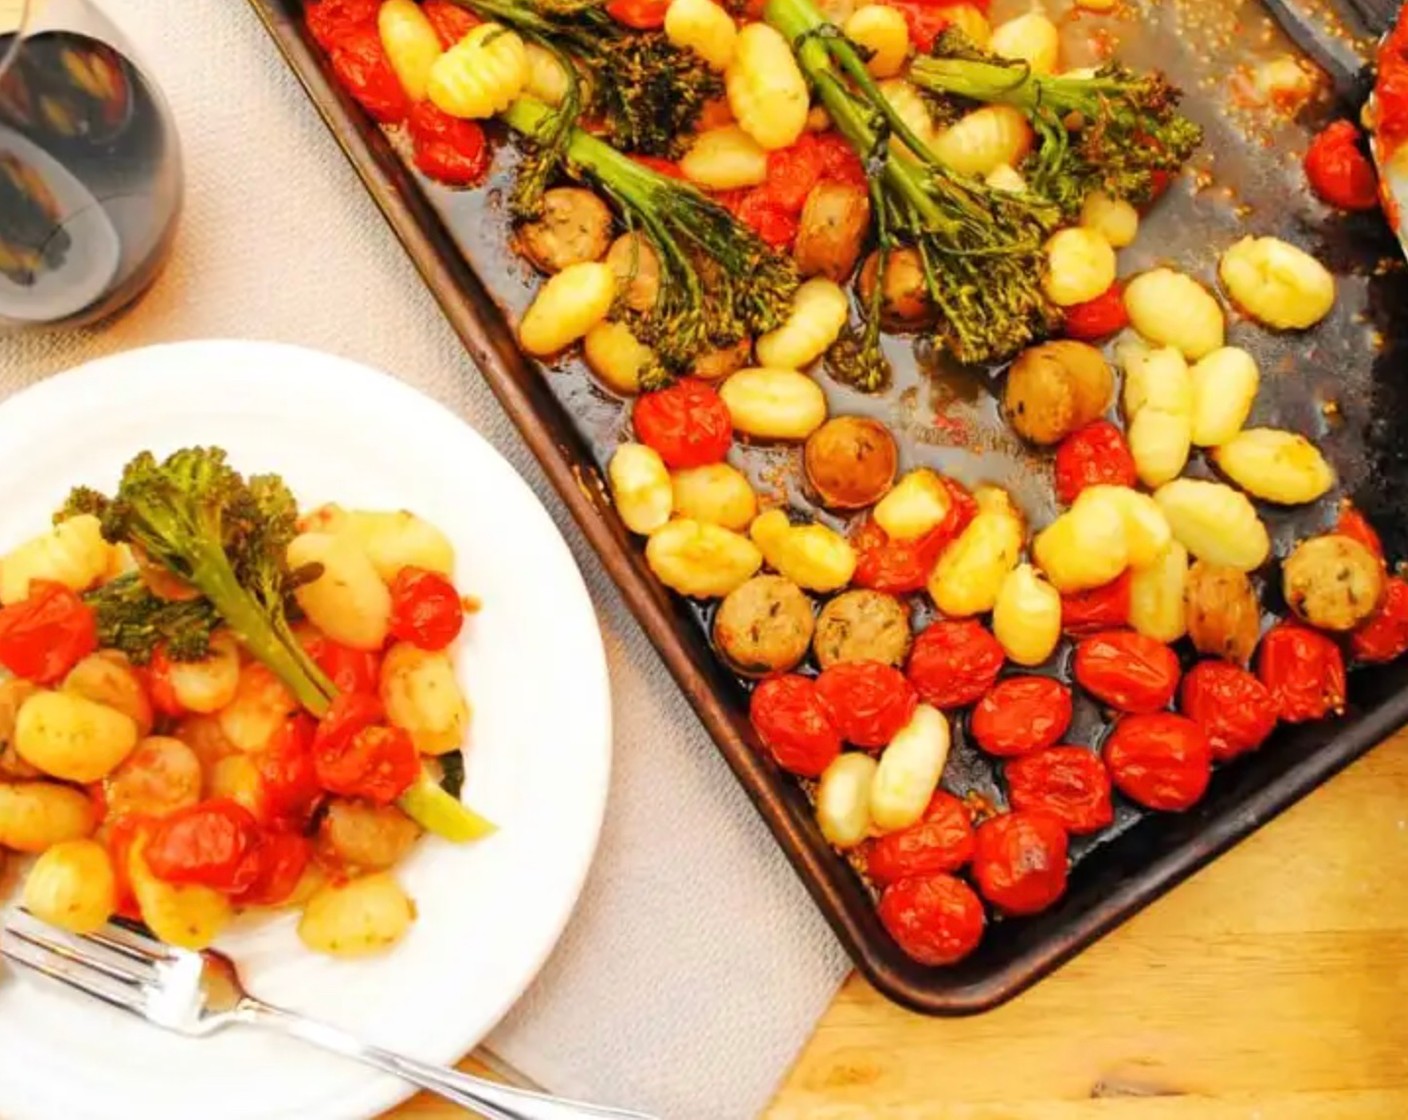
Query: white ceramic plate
pixel 538 759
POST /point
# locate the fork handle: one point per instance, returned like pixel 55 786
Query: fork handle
pixel 491 1099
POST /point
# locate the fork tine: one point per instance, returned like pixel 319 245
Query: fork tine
pixel 72 947
pixel 125 997
pixel 131 944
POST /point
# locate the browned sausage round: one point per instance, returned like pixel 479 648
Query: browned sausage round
pixel 575 227
pixel 850 462
pixel 720 363
pixel 764 626
pixel 904 301
pixel 637 269
pixel 862 625
pixel 1224 615
pixel 832 229
pixel 1333 582
pixel 1055 388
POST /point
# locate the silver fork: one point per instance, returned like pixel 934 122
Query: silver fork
pixel 200 993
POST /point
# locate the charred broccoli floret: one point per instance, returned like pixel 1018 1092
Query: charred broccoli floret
pixel 131 619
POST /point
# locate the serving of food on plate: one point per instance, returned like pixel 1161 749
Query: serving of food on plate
pixel 744 216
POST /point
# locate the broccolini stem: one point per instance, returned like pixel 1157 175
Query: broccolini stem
pixel 1015 84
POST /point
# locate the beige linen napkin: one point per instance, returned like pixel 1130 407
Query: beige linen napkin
pixel 695 966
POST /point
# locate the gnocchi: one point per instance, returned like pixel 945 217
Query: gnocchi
pixel 1080 266
pixel 843 796
pixel 883 32
pixel 911 108
pixel 260 706
pixel 699 559
pixel 717 493
pixel 208 685
pixel 917 504
pixel 617 357
pixel 357 918
pixel 1276 283
pixel 72 886
pixel 392 539
pixel 812 556
pixel 1026 619
pixel 1087 546
pixel 1113 218
pixel 1146 530
pixel 1276 466
pixel 1031 38
pixel 72 553
pixel 69 737
pixel 160 776
pixel 481 74
pixel 640 487
pixel 548 81
pixel 1214 523
pixel 107 677
pixel 1172 309
pixel 348 601
pixel 971 571
pixel 909 770
pixel 34 816
pixel 765 87
pixel 1004 177
pixel 423 698
pixel 819 311
pixel 983 140
pixel 369 837
pixel 779 404
pixel 187 916
pixel 703 27
pixel 1156 595
pixel 972 22
pixel 1224 385
pixel 410 42
pixel 724 159
pixel 566 307
pixel 1158 401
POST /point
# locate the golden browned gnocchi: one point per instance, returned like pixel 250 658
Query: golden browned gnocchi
pixel 1026 619
pixel 704 28
pixel 13 693
pixel 392 539
pixel 365 836
pixel 34 816
pixel 1224 387
pixel 348 601
pixel 1031 38
pixel 1087 546
pixel 769 404
pixel 1113 218
pixel 105 677
pixel 160 776
pixel 1277 283
pixel 1276 466
pixel 1158 402
pixel 481 74
pixel 1080 266
pixel 724 159
pixel 983 140
pixel 911 108
pixel 701 559
pixel 67 736
pixel 207 685
pixel 188 916
pixel 410 42
pixel 765 87
pixel 1215 523
pixel 971 571
pixel 357 918
pixel 566 307
pixel 1146 529
pixel 883 32
pixel 1156 595
pixel 819 311
pixel 548 81
pixel 1172 309
pixel 843 796
pixel 918 504
pixel 640 487
pixel 423 697
pixel 909 770
pixel 717 492
pixel 261 705
pixel 72 553
pixel 72 886
pixel 813 556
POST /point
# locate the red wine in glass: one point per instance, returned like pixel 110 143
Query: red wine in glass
pixel 90 170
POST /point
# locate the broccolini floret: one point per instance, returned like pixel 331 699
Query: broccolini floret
pixel 131 619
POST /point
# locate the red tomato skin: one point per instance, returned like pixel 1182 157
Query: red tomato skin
pixel 425 609
pixel 1304 672
pixel 277 862
pixel 287 770
pixel 1385 636
pixel 1021 714
pixel 204 844
pixel 1099 317
pixel 1233 708
pixel 1339 172
pixel 329 21
pixel 868 701
pixel 899 567
pixel 1160 760
pixel 1069 783
pixel 793 171
pixel 776 225
pixel 1101 608
pixel 687 424
pixel 953 663
pixel 1354 524
pixel 941 841
pixel 643 15
pixel 926 21
pixel 121 834
pixel 157 677
pixel 445 148
pixel 350 670
pixel 47 633
pixel 1096 454
pixel 356 755
pixel 1127 670
pixel 451 22
pixel 1020 861
pixel 793 723
pixel 359 61
pixel 937 919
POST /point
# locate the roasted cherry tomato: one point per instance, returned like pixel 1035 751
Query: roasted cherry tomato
pixel 1099 317
pixel 1070 783
pixel 953 662
pixel 869 701
pixel 1354 524
pixel 774 223
pixel 687 424
pixel 1161 760
pixel 1127 670
pixel 793 171
pixel 1020 861
pixel 451 22
pixel 1385 636
pixel 1021 714
pixel 1095 455
pixel 1233 708
pixel 356 755
pixel 899 567
pixel 1304 672
pixel 445 148
pixel 1339 171
pixel 205 844
pixel 286 768
pixel 643 15
pixel 794 724
pixel 118 835
pixel 329 21
pixel 926 21
pixel 156 675
pixel 351 670
pixel 364 71
pixel 936 919
pixel 1101 608
pixel 47 633
pixel 839 162
pixel 276 864
pixel 661 166
pixel 425 609
pixel 941 841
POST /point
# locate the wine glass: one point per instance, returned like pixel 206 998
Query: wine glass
pixel 90 171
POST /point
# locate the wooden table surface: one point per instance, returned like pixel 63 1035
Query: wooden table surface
pixel 1271 986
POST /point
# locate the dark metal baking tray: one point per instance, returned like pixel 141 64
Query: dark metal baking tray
pixel 1346 385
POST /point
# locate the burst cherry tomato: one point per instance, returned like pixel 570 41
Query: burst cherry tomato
pixel 1099 317
pixel 1070 783
pixel 869 701
pixel 661 166
pixel 942 840
pixel 1020 861
pixel 356 755
pixel 774 223
pixel 276 863
pixel 1021 714
pixel 1127 670
pixel 1161 760
pixel 687 424
pixel 119 836
pixel 1304 672
pixel 1385 636
pixel 205 844
pixel 329 21
pixel 351 670
pixel 937 920
pixel 643 15
pixel 898 567
pixel 1233 708
pixel 1101 608
pixel 926 21
pixel 287 771
pixel 1354 524
pixel 447 149
pixel 425 609
pixel 793 171
pixel 451 22
pixel 1339 171
pixel 1095 455
pixel 364 71
pixel 953 663
pixel 47 633
pixel 794 724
